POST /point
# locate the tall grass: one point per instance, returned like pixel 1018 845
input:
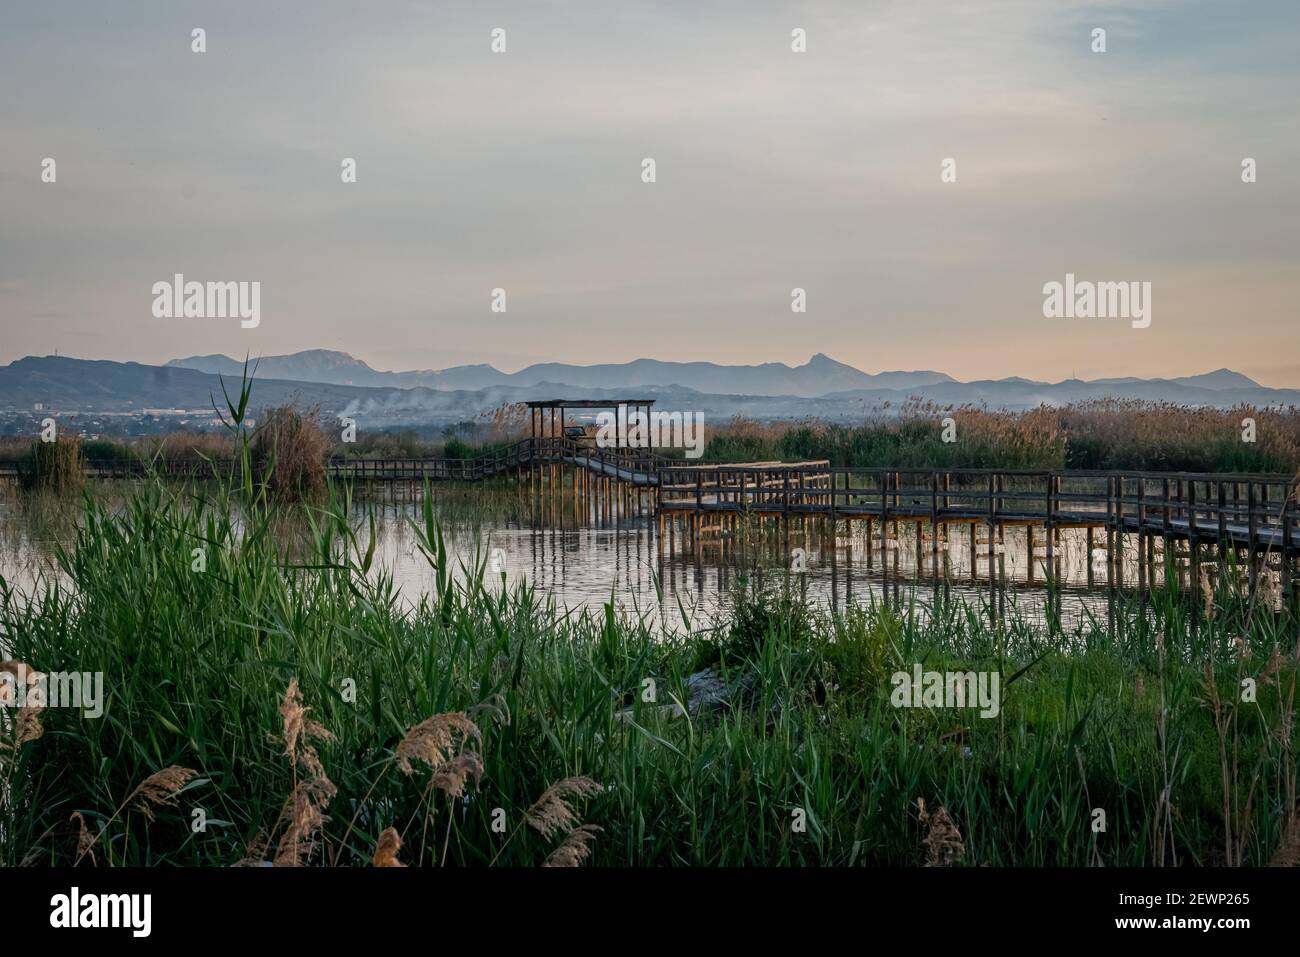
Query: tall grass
pixel 288 451
pixel 53 467
pixel 211 666
pixel 1107 434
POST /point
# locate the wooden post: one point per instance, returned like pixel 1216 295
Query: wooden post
pixel 1089 560
pixel 974 560
pixel 1252 537
pixel 1119 530
pixel 1110 531
pixel 1029 552
pixel 699 496
pixel 993 509
pixel 934 524
pixel 1288 547
pixel 1223 512
pixel 1143 570
pixel 1049 571
pixel 884 517
pixel 947 529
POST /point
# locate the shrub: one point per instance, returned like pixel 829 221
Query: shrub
pixel 457 449
pixel 865 650
pixel 52 466
pixel 102 450
pixel 288 453
pixel 761 614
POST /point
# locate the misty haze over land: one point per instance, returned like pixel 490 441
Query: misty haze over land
pixel 343 385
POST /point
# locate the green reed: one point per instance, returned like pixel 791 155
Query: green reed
pixel 199 608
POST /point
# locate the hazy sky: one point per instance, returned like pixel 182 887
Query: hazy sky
pixel 522 170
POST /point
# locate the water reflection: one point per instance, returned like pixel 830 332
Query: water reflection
pixel 684 581
pixel 587 560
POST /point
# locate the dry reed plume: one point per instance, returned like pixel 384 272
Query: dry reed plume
pixel 434 741
pixel 441 743
pixel 1207 592
pixel 450 778
pixel 255 851
pixel 506 422
pixel 551 813
pixel 386 850
pixel 85 840
pixel 27 723
pixel 303 814
pixel 574 849
pixel 160 788
pixel 157 790
pixel 942 842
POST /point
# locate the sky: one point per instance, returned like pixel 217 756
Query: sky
pixel 522 170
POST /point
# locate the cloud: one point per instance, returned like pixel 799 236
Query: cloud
pixel 522 171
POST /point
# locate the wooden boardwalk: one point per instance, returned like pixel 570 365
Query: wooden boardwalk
pixel 1254 510
pixel 1196 518
pixel 1254 514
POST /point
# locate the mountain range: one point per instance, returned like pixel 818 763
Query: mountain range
pixel 819 376
pixel 343 385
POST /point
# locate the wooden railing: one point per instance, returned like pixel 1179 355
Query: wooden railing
pixel 545 450
pixel 1258 509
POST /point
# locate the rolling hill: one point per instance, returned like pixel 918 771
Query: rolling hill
pixel 343 385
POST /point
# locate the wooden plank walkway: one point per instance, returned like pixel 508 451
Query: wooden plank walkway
pixel 1253 511
pixel 1256 512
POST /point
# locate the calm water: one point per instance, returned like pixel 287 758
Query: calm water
pixel 588 566
pixel 591 562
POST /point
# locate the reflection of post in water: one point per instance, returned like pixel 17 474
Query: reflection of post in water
pixel 848 563
pixel 934 589
pixel 697 565
pixel 639 545
pixel 723 571
pixel 719 508
pixel 835 575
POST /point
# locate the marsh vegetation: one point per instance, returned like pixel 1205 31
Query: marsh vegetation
pixel 312 710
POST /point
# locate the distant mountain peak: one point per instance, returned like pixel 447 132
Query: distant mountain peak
pixel 336 382
pixel 822 361
pixel 1218 380
pixel 821 375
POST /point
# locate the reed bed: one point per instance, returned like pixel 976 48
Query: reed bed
pixel 271 706
pixel 1106 434
pixel 53 467
pixel 287 452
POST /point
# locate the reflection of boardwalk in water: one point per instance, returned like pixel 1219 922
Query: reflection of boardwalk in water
pixel 1076 529
pixel 1067 528
pixel 848 569
pixel 592 565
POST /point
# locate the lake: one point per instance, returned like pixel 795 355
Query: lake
pixel 586 563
